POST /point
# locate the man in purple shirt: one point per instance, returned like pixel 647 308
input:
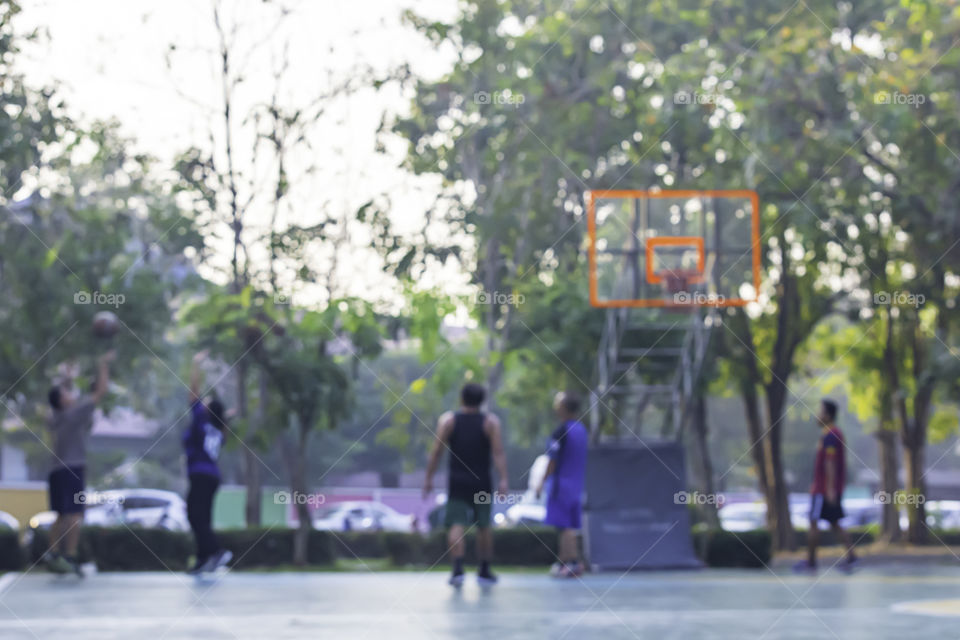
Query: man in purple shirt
pixel 565 472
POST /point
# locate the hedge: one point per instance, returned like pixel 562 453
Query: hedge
pixel 747 549
pixel 859 535
pixel 274 547
pixel 12 556
pixel 137 549
pixel 125 549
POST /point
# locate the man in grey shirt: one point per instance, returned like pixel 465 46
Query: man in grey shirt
pixel 70 423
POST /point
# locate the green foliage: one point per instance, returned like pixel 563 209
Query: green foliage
pixel 84 227
pixel 12 555
pixel 274 547
pixel 747 549
pixel 125 548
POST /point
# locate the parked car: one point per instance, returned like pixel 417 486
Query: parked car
pixel 744 516
pixel 941 514
pixel 528 509
pixel 362 516
pixel 150 508
pixel 7 521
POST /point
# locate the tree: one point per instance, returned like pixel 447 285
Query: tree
pixel 546 101
pixel 94 233
pixel 908 123
pixel 253 143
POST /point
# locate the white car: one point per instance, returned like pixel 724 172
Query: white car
pixel 7 521
pixel 529 509
pixel 941 514
pixel 150 508
pixel 743 516
pixel 362 516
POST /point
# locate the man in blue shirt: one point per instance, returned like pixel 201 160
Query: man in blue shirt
pixel 565 472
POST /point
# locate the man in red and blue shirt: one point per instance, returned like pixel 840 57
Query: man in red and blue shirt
pixel 826 492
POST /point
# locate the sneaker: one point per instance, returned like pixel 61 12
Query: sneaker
pixel 221 559
pixel 57 563
pixel 196 569
pixel 848 565
pixel 212 563
pixel 75 566
pixel 573 570
pixel 804 567
pixel 487 578
pixel 456 580
pixel 556 570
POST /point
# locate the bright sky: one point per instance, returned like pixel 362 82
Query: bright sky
pixel 109 59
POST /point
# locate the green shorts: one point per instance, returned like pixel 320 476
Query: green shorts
pixel 466 513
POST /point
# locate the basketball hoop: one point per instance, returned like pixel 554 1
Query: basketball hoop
pixel 642 241
pixel 676 284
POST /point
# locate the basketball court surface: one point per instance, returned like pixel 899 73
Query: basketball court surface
pixel 890 602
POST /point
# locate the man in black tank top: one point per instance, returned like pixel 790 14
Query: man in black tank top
pixel 473 439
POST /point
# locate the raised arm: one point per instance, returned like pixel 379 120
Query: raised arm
pixel 444 425
pixel 103 376
pixel 495 433
pixel 198 359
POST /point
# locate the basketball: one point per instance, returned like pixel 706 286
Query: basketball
pixel 105 324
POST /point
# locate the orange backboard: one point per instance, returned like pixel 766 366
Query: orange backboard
pixel 638 241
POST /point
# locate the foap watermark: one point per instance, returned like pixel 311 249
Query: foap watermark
pixel 499 97
pixel 697 498
pixel 499 298
pixel 93 499
pixel 899 299
pixel 309 499
pixel 281 298
pixel 895 97
pixel 99 298
pixel 486 497
pixel 900 498
pixel 695 97
pixel 698 298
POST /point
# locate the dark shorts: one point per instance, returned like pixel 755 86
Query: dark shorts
pixel 823 509
pixel 468 512
pixel 563 511
pixel 66 487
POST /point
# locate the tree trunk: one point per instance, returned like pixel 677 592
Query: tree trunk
pixel 251 470
pixel 889 483
pixel 755 430
pixel 252 475
pixel 913 462
pixel 704 466
pixel 887 438
pixel 298 486
pixel 778 498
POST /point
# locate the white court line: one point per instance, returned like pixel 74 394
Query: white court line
pixel 936 608
pixel 7 579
